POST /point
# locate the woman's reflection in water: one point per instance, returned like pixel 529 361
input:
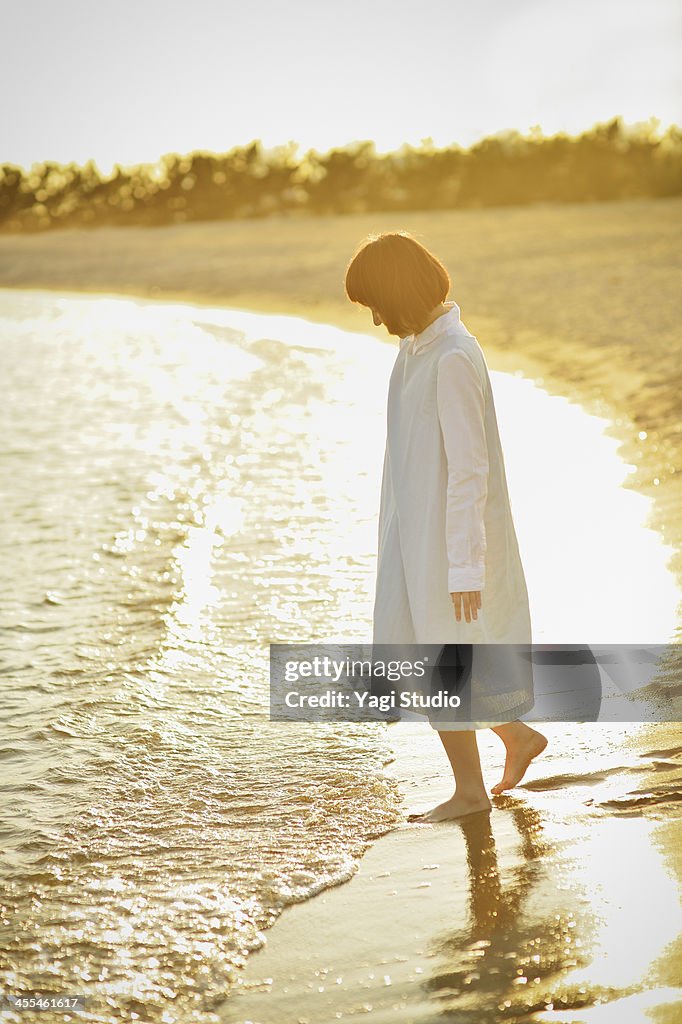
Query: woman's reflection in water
pixel 502 966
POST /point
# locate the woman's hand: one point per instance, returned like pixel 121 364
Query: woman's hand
pixel 470 601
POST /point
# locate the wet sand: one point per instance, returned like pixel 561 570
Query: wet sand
pixel 561 906
pixel 583 296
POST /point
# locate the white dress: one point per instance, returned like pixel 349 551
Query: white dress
pixel 445 520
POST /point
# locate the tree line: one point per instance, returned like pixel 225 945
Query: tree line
pixel 610 161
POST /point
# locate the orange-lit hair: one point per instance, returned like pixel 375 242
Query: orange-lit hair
pixel 397 276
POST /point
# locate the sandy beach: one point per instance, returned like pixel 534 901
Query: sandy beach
pixel 562 907
pixel 583 297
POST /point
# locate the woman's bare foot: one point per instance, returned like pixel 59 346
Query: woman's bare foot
pixel 456 807
pixel 520 752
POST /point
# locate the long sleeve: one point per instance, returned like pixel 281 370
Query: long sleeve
pixel 461 411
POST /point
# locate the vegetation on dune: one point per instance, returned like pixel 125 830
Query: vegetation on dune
pixel 610 161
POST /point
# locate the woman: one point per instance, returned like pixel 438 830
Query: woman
pixel 448 570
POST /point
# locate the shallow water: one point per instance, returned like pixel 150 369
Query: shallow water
pixel 188 485
pixel 561 906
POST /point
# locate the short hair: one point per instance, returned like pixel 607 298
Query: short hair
pixel 397 276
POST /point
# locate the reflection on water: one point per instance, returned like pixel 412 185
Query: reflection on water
pixel 186 486
pixel 503 947
pixel 569 927
pixel 573 895
pixel 553 908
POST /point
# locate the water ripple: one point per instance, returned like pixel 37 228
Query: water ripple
pixel 178 503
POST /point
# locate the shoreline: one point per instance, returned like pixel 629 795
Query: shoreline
pixel 646 462
pixel 498 916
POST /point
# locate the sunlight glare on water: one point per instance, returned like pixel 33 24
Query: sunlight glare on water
pixel 596 572
pixel 187 486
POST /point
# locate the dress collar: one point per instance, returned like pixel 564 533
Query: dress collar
pixel 416 343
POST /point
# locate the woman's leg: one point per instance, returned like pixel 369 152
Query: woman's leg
pixel 470 795
pixel 523 744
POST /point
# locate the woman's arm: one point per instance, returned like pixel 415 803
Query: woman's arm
pixel 461 411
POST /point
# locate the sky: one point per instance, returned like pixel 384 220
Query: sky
pixel 130 81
